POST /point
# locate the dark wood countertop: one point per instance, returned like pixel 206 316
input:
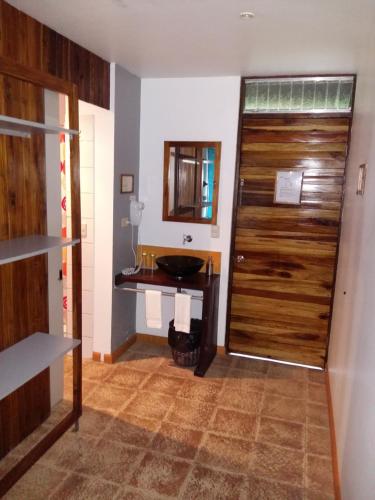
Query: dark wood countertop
pixel 159 278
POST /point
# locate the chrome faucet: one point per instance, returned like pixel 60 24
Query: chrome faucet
pixel 187 238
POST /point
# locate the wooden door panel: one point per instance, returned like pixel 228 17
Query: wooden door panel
pixel 289 219
pixel 287 352
pixel 282 287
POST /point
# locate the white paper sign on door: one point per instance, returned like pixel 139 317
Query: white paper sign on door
pixel 288 187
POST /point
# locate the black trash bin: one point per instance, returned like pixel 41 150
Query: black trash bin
pixel 185 346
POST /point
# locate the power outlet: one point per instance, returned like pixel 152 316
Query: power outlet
pixel 215 231
pixel 83 230
pixel 125 222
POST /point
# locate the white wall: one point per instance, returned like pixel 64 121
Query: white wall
pixel 189 109
pixel 352 347
pixel 97 160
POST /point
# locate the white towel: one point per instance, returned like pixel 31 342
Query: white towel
pixel 153 308
pixel 182 306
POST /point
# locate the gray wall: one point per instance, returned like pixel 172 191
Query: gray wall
pixel 127 127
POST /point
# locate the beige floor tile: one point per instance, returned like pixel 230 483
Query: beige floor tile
pixel 281 433
pixel 286 372
pixel 190 413
pixel 210 484
pixel 317 414
pixel 87 387
pixel 163 384
pixel 200 390
pixel 177 440
pixel 93 422
pixel 149 405
pixel 111 461
pixel 317 376
pixel 224 360
pixel 70 452
pixel 130 429
pixel 225 452
pixel 109 398
pixel 127 377
pixel 318 495
pixel 151 430
pixel 278 464
pixel 240 399
pixel 284 408
pixel 261 489
pixel 217 372
pixel 77 487
pixel 234 423
pixel 318 441
pixel 160 474
pixel 130 493
pixel 141 361
pixel 152 349
pixel 252 365
pixel 36 484
pixel 289 388
pixel 95 371
pixel 168 367
pixel 319 474
pixel 317 393
pixel 244 380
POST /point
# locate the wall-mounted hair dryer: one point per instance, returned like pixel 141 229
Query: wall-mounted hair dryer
pixel 136 209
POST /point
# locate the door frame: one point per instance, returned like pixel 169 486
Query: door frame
pixel 241 114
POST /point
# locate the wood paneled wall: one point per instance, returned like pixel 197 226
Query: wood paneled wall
pixel 23 284
pixel 25 40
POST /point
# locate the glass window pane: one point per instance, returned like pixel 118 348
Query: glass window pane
pixel 310 94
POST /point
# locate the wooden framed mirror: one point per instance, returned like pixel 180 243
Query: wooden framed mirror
pixel 191 181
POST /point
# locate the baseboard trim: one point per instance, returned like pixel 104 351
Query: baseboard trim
pixel 335 463
pixel 96 356
pixel 145 337
pixel 152 339
pixel 113 357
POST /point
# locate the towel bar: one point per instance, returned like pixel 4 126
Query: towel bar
pixel 140 290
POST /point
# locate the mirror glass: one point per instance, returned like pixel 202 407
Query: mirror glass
pixel 191 181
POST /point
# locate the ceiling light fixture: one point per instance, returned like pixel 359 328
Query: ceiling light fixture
pixel 246 14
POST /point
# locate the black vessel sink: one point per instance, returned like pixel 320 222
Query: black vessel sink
pixel 179 266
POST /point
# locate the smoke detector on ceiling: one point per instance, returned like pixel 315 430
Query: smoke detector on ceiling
pixel 246 14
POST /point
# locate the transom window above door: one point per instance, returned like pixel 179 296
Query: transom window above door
pixel 318 94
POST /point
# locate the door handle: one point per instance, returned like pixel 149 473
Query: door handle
pixel 240 259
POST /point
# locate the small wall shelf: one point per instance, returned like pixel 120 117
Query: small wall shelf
pixel 24 128
pixel 29 246
pixel 25 359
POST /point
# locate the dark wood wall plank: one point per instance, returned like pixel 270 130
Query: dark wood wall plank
pixel 28 42
pixel 23 284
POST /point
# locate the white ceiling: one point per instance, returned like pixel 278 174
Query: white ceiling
pixel 165 38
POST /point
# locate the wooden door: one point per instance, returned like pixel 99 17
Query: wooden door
pixel 284 256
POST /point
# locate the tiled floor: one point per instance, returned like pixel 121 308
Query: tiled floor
pixel 150 430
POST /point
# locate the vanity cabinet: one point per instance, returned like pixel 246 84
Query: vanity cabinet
pixel 210 288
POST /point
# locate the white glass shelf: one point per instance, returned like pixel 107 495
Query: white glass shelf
pixel 29 246
pixel 24 128
pixel 24 360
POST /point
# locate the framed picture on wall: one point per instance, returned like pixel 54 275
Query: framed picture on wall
pixel 127 183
